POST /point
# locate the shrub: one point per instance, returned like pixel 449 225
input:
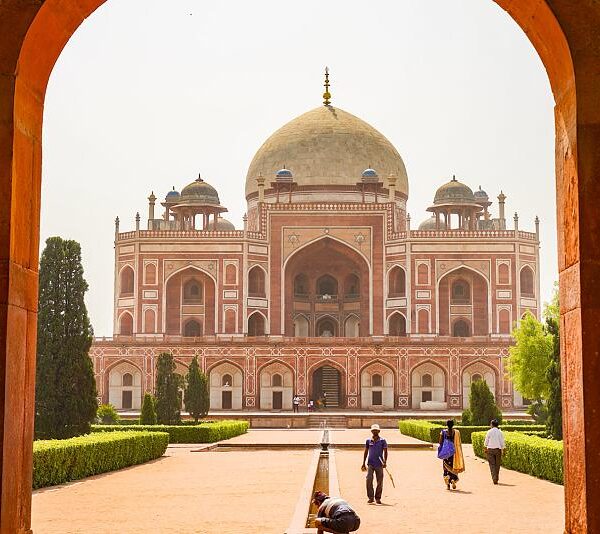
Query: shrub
pixel 467 417
pixel 201 433
pixel 423 430
pixel 428 431
pixel 542 458
pixel 148 415
pixel 60 461
pixel 482 405
pixel 107 415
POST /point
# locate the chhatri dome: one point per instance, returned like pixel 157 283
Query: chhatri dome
pixel 327 147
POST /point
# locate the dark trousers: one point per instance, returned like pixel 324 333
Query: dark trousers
pixel 494 457
pixel 378 472
pixel 295 408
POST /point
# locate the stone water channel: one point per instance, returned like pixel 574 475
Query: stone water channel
pixel 321 476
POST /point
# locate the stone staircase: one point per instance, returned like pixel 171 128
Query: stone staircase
pixel 331 386
pixel 319 420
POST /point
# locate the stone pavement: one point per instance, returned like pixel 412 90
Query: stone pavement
pixel 420 503
pixel 313 437
pixel 233 492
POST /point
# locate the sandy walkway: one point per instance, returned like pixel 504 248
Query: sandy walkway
pixel 183 492
pixel 421 504
pixel 313 437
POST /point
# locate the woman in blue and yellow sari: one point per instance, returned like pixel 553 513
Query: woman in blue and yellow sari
pixel 454 464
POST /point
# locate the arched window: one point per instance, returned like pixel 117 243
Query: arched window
pixel 126 282
pixel 192 292
pixel 397 282
pixel 326 328
pixel 504 322
pixel 149 321
pixel 426 381
pixel 128 379
pixel 256 325
pixel 423 274
pixel 352 286
pixel 301 285
pixel 150 274
pixel 397 325
pixel 192 329
pixel 126 324
pixel 230 274
pixel 423 321
pixel 476 377
pixel 230 321
pixel 461 329
pixel 461 292
pixel 277 381
pixel 376 380
pixel 527 289
pixel 503 274
pixel 226 380
pixel 327 286
pixel 256 282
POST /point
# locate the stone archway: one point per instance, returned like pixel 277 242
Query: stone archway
pixel 32 35
pixel 327 282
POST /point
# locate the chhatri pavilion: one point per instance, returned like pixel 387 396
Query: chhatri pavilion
pixel 327 288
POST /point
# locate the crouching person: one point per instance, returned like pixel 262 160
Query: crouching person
pixel 334 515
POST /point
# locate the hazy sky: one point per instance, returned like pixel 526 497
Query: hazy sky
pixel 148 93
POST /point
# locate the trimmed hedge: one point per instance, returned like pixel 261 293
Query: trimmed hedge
pixel 58 461
pixel 202 433
pixel 427 431
pixel 542 458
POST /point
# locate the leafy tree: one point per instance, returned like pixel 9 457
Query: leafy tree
pixel 148 415
pixel 482 406
pixel 196 397
pixel 554 404
pixel 107 415
pixel 168 398
pixel 530 357
pixel 65 393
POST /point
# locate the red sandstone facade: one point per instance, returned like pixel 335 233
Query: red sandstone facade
pixel 327 292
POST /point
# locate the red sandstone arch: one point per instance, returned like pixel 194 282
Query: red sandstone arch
pixel 173 300
pixel 326 257
pixel 478 299
pixel 564 33
pixel 126 324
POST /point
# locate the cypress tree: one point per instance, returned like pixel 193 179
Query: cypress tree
pixel 65 393
pixel 196 398
pixel 554 403
pixel 168 399
pixel 148 415
pixel 482 406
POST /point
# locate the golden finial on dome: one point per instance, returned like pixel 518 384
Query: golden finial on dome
pixel 326 94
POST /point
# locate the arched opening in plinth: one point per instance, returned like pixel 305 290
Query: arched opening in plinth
pixel 327 388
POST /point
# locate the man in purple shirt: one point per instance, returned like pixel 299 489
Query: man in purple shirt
pixel 375 457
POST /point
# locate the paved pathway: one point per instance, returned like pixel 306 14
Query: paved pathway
pixel 181 493
pixel 421 504
pixel 233 492
pixel 313 437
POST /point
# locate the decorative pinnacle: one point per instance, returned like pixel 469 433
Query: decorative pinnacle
pixel 199 179
pixel 326 94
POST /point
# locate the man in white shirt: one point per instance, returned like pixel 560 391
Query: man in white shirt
pixel 494 448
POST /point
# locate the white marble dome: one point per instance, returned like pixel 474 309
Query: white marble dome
pixel 327 147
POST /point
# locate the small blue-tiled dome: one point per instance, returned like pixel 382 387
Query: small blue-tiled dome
pixel 480 194
pixel 369 173
pixel 172 195
pixel 284 174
